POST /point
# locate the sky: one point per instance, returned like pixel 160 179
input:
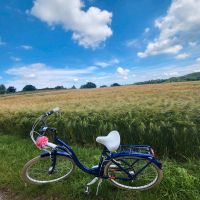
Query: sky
pixel 48 43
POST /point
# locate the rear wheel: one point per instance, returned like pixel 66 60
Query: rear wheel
pixel 147 174
pixel 39 170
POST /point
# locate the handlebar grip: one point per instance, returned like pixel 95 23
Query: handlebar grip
pixel 52 111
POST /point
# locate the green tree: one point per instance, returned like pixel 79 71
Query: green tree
pixel 88 85
pixel 73 87
pixel 11 89
pixel 59 87
pixel 102 86
pixel 115 84
pixel 29 88
pixel 2 89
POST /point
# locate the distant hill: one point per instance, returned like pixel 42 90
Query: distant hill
pixel 189 77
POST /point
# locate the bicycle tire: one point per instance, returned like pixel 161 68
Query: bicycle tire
pixel 63 168
pixel 116 175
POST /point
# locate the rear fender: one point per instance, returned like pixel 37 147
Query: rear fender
pixel 139 155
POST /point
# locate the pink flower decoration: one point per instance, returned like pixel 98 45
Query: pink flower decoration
pixel 41 141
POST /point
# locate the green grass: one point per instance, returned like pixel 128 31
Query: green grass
pixel 181 180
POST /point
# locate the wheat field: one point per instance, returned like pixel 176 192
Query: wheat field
pixel 166 116
pixel 159 96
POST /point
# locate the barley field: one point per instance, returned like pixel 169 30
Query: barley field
pixel 166 116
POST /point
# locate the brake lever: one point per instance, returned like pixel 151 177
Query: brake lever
pixel 43 130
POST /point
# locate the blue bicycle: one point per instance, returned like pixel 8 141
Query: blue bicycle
pixel 131 167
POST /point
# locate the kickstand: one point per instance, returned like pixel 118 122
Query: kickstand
pixel 99 184
pixel 87 190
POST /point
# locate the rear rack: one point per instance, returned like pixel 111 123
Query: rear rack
pixel 142 149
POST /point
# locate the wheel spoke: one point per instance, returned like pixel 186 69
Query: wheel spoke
pixel 37 170
pixel 147 174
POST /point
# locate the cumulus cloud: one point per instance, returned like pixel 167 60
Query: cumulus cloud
pixel 26 47
pixel 105 64
pixel 180 25
pixel 182 56
pixel 42 76
pixel 89 27
pixel 123 72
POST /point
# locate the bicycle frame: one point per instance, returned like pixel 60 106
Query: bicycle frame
pixel 64 149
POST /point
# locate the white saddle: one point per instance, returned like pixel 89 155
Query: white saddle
pixel 111 141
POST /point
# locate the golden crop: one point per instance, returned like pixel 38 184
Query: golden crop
pixel 158 96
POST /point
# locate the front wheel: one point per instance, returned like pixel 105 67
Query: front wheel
pixel 40 170
pixel 136 173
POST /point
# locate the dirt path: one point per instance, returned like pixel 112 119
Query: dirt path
pixel 3 194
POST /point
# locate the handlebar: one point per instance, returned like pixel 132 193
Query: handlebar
pixel 41 119
pixel 57 109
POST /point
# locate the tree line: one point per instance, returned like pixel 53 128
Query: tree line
pixel 30 88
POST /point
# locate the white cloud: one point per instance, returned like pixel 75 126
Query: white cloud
pixel 90 27
pixel 160 47
pixel 102 64
pixel 146 30
pixel 123 72
pixel 132 43
pixel 180 25
pixel 26 47
pixel 198 59
pixel 105 64
pixel 192 44
pixel 16 59
pixel 175 70
pixel 171 74
pixel 41 75
pixel 76 79
pixel 2 42
pixel 182 56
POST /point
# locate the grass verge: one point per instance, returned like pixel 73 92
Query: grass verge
pixel 181 180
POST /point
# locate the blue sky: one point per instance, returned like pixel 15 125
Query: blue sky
pixel 63 42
